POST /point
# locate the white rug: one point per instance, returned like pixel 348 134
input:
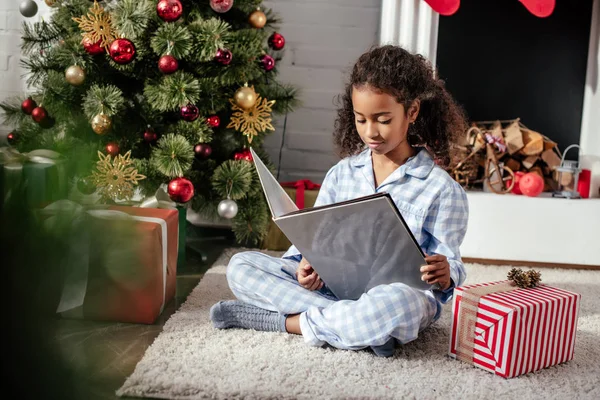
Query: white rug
pixel 192 360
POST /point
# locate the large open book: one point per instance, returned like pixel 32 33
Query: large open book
pixel 353 245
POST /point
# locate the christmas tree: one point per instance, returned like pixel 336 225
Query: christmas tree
pixel 140 93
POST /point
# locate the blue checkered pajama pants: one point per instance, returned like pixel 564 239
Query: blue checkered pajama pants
pixel 394 310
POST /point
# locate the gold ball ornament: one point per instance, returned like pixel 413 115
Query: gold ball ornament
pixel 257 19
pixel 245 97
pixel 101 124
pixel 75 75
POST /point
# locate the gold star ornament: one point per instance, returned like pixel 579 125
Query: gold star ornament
pixel 115 177
pixel 96 26
pixel 252 120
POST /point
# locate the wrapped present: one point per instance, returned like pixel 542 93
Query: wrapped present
pixel 122 264
pixel 304 194
pixel 39 175
pixel 511 331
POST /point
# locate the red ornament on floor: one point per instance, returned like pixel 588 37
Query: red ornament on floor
pixel 243 155
pixel 180 190
pixel 169 10
pixel 516 188
pixel 39 114
pixel 190 112
pixel 122 51
pixel 214 121
pixel 167 64
pixel 92 48
pixel 112 148
pixel 276 41
pixel 28 105
pixel 531 184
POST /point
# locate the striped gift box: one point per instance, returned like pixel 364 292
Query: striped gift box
pixel 512 331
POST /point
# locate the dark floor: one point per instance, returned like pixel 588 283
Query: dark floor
pixel 103 354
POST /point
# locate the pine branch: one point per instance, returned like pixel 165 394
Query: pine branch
pixel 39 35
pixel 197 131
pixel 37 68
pixel 173 91
pixel 132 17
pixel 251 223
pixel 247 45
pixel 12 114
pixel 60 98
pixel 233 179
pixel 172 39
pixel 173 156
pixel 209 36
pixel 106 99
pixel 286 95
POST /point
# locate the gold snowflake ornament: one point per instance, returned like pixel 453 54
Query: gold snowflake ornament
pixel 253 120
pixel 115 177
pixel 97 26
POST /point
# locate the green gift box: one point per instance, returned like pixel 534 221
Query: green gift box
pixel 40 176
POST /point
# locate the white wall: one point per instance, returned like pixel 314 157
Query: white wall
pixel 323 39
pixel 11 83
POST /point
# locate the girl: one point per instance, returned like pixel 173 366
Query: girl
pixel 396 118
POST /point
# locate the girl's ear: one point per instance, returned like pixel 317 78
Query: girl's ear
pixel 413 110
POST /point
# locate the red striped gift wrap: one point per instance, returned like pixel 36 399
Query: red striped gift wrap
pixel 512 331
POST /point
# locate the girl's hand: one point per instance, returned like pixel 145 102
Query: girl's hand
pixel 437 271
pixel 307 277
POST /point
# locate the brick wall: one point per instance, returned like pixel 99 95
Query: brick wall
pixel 323 39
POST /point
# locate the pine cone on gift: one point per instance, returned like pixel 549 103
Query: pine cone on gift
pixel 513 273
pixel 535 277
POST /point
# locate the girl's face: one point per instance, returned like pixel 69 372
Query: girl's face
pixel 381 121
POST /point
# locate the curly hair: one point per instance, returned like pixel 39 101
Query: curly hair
pixel 408 77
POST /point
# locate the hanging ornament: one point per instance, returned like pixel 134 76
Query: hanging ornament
pixel 39 114
pixel 28 105
pixel 168 64
pixel 221 6
pixel 115 176
pixel 539 8
pixel 223 56
pixel 122 51
pixel 276 41
pixel 11 138
pixel 112 148
pixel 253 120
pixel 444 7
pixel 214 121
pixel 202 150
pixel 190 112
pixel 245 155
pixel 257 19
pixel 91 47
pixel 227 209
pixel 86 185
pixel 169 10
pixel 150 136
pixel 75 75
pixel 96 26
pixel 50 3
pixel 180 190
pixel 268 62
pixel 101 124
pixel 245 97
pixel 28 8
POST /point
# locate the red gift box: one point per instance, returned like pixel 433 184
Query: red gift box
pixel 133 289
pixel 301 186
pixel 511 331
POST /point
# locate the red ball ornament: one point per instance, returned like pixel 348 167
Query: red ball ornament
pixel 150 136
pixel 223 56
pixel 214 121
pixel 112 148
pixel 122 51
pixel 268 62
pixel 243 155
pixel 92 48
pixel 11 138
pixel 203 150
pixel 180 190
pixel 276 41
pixel 168 64
pixel 190 112
pixel 516 188
pixel 39 114
pixel 531 184
pixel 221 6
pixel 28 105
pixel 169 10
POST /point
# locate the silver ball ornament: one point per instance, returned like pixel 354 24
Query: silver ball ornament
pixel 28 8
pixel 227 209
